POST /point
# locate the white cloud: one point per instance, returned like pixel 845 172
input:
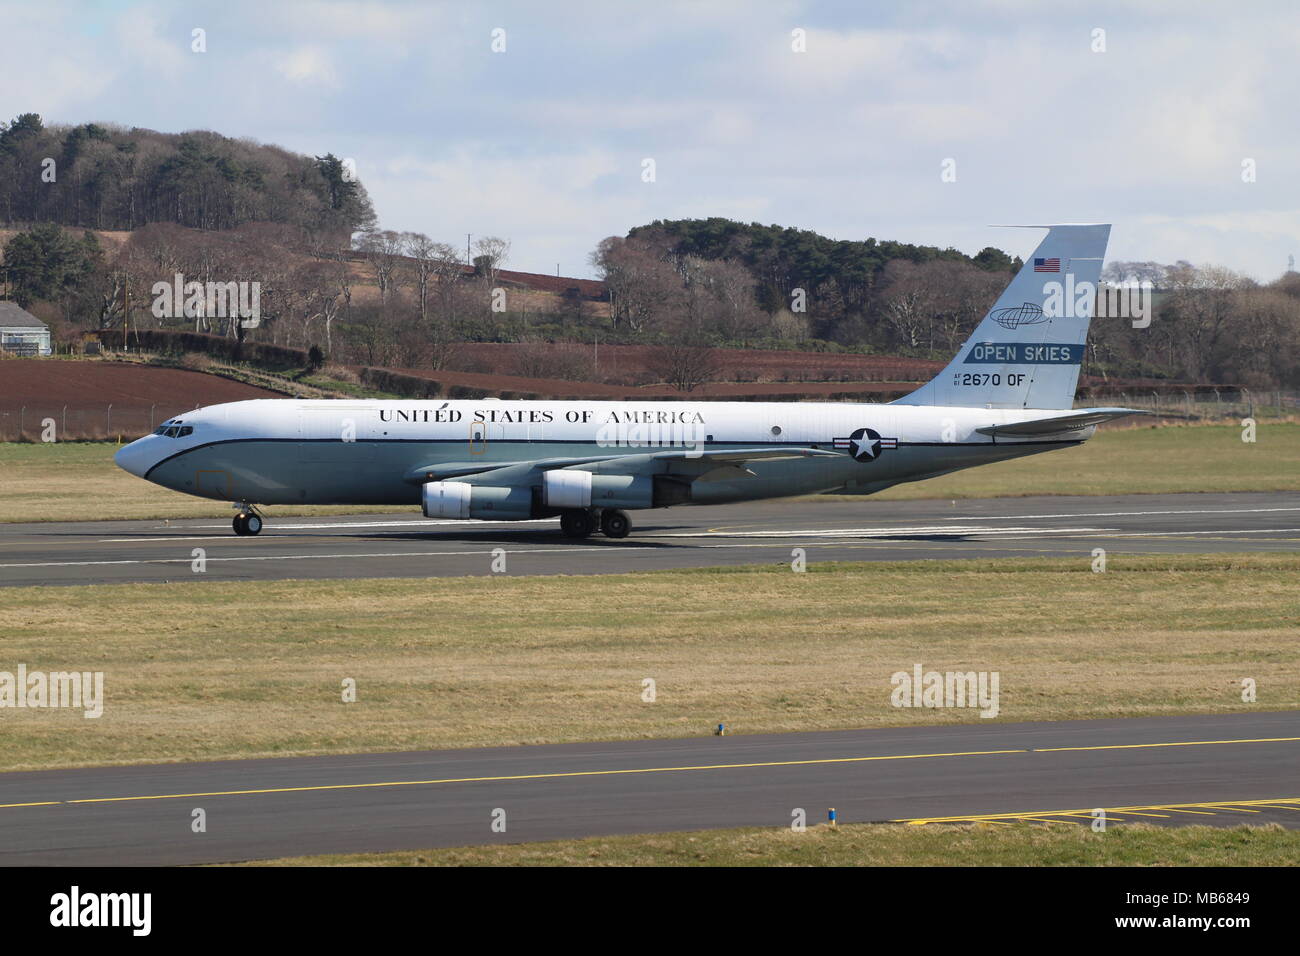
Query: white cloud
pixel 543 143
pixel 306 65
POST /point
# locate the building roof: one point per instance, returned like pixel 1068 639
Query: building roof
pixel 12 317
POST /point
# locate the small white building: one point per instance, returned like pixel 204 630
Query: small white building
pixel 21 332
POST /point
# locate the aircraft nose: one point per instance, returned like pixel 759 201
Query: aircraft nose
pixel 135 457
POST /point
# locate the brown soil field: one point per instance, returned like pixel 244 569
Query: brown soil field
pixel 631 364
pixel 517 386
pixel 77 395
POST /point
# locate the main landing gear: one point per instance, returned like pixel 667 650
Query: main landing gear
pixel 247 521
pixel 581 523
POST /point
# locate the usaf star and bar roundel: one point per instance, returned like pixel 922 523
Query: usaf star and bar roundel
pixel 865 444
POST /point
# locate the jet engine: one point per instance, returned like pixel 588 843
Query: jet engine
pixel 459 499
pixel 582 489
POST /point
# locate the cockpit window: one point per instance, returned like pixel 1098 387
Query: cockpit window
pixel 174 431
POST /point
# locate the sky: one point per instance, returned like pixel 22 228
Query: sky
pixel 921 122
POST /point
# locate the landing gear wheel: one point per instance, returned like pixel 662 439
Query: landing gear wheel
pixel 577 524
pixel 246 523
pixel 615 524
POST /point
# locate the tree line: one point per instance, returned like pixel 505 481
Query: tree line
pixel 107 177
pixel 219 210
pixel 716 281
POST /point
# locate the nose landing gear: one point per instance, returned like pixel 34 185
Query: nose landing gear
pixel 247 521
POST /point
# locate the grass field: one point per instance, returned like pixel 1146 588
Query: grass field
pixel 873 845
pixel 206 671
pixel 1128 461
pixel 75 481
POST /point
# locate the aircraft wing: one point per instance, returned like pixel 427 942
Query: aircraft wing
pixel 741 454
pixel 628 464
pixel 1070 421
pixel 463 469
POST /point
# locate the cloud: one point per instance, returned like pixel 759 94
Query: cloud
pixel 307 66
pixel 543 143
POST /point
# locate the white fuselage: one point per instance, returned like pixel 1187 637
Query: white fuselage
pixel 285 451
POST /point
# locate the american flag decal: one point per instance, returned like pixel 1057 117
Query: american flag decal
pixel 1047 265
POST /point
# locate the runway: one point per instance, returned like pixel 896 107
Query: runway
pixel 831 530
pixel 1217 770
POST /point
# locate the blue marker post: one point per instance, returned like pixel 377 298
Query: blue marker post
pixel 830 818
pixel 721 731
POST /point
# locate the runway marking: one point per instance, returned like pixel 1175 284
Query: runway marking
pixel 825 533
pixel 168 539
pixel 1176 743
pixel 540 776
pixel 1038 815
pixel 694 767
pixel 880 532
pixel 1120 514
pixel 400 523
pixel 309 557
pixel 404 523
pixel 624 550
pixel 1176 534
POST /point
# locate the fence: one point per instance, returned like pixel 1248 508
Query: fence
pixel 1203 404
pixel 32 422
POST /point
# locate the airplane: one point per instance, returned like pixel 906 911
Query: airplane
pixel 1008 392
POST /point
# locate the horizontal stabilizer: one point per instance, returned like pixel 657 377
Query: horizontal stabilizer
pixel 1080 418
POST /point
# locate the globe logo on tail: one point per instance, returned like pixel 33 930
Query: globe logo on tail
pixel 1016 316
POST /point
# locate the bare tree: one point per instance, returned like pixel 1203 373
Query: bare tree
pixel 490 254
pixel 683 366
pixel 645 289
pixel 422 250
pixel 383 251
pixel 909 303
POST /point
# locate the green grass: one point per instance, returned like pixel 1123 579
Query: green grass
pixel 873 845
pixel 1133 461
pixel 208 671
pixel 77 481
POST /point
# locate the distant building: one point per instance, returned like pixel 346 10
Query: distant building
pixel 21 332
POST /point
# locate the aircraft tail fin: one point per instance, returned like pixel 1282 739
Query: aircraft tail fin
pixel 1027 351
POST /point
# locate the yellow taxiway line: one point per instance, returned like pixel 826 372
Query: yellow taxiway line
pixel 694 767
pixel 1288 803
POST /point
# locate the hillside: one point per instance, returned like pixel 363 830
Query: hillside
pixel 104 176
pixel 131 210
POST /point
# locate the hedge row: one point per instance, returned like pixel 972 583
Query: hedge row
pixel 179 342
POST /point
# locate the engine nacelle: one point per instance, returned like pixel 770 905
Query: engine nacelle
pixel 562 488
pixel 460 499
